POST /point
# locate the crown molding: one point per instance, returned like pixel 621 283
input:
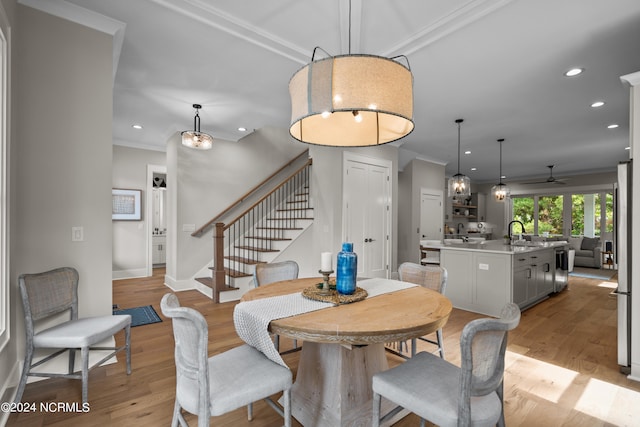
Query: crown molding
pixel 79 15
pixel 632 79
pixel 205 13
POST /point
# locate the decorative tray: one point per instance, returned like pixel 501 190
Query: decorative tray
pixel 316 293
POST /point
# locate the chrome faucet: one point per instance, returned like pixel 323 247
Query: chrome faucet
pixel 509 228
pixel 460 225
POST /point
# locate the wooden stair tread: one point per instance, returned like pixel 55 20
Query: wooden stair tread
pixel 235 274
pixel 278 228
pixel 275 239
pixel 256 249
pixel 292 209
pixel 208 282
pixel 289 219
pixel 243 260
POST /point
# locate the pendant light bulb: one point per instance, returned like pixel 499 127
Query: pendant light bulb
pixel 459 184
pixel 500 191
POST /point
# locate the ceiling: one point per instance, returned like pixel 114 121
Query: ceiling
pixel 498 64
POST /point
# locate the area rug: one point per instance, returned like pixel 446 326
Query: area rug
pixel 140 315
pixel 593 273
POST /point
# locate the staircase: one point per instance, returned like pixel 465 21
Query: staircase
pixel 257 235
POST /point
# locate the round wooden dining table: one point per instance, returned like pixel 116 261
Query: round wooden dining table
pixel 344 347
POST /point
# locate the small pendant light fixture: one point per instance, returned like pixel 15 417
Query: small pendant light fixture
pixel 195 138
pixel 500 191
pixel 459 184
pixel 351 100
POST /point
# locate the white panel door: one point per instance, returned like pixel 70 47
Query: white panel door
pixel 431 216
pixel 367 203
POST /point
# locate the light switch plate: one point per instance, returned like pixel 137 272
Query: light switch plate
pixel 77 234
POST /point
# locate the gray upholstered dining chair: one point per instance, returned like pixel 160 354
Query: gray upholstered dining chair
pixel 209 386
pixel 266 273
pixel 48 295
pixel 430 276
pixel 445 394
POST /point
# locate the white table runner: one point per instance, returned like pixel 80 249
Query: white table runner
pixel 251 318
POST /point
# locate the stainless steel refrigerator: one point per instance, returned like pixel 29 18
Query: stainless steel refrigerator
pixel 623 258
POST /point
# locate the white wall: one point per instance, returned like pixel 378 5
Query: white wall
pixel 326 193
pixel 209 181
pixel 417 175
pixel 130 237
pixel 61 158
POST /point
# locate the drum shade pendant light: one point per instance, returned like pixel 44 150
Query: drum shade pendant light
pixel 459 184
pixel 195 138
pixel 500 191
pixel 351 100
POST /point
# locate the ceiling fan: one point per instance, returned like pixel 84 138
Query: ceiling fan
pixel 550 180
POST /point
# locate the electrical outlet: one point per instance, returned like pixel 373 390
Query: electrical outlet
pixel 77 234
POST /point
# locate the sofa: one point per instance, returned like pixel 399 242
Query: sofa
pixel 588 251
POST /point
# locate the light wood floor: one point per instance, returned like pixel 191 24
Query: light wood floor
pixel 561 366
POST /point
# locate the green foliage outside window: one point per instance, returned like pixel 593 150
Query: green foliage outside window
pixel 550 213
pixel 523 212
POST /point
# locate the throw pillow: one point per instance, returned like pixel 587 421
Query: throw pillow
pixel 575 242
pixel 590 243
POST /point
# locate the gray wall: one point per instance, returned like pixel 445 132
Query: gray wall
pixel 417 175
pixel 212 180
pixel 326 193
pixel 130 237
pixel 61 159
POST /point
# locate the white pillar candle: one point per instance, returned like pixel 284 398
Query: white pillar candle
pixel 325 261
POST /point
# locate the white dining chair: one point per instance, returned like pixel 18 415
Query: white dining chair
pixel 266 273
pixel 430 276
pixel 445 394
pixel 45 297
pixel 210 386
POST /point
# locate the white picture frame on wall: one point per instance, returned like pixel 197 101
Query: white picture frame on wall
pixel 126 205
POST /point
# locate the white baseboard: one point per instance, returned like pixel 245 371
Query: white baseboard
pixel 129 274
pixel 179 285
pixel 8 390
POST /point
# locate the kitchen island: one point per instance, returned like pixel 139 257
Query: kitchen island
pixel 484 276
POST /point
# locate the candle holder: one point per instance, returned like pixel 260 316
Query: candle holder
pixel 325 282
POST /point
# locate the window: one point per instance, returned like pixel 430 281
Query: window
pixel 523 211
pixel 589 214
pixel 550 214
pixel 4 178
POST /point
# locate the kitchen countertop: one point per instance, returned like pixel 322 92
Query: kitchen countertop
pixel 497 246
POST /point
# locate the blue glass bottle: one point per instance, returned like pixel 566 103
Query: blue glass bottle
pixel 346 270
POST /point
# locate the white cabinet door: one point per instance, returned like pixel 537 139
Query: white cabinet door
pixel 520 278
pixel 491 288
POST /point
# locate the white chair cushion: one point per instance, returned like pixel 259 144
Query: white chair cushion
pixel 81 332
pixel 237 377
pixel 428 386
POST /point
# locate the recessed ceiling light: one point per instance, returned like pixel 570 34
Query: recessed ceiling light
pixel 474 169
pixel 627 148
pixel 597 104
pixel 241 129
pixel 467 152
pixel 136 126
pixel 574 72
pixel 613 126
